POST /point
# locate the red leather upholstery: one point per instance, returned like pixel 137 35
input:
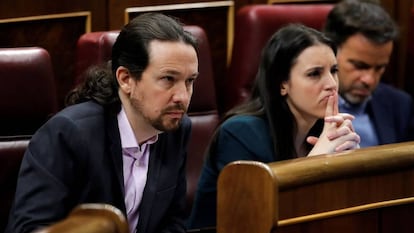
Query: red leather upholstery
pixel 94 48
pixel 203 113
pixel 254 24
pixel 27 91
pixel 11 154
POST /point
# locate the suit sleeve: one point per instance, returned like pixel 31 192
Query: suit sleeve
pixel 46 177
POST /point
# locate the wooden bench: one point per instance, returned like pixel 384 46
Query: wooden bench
pixel 366 190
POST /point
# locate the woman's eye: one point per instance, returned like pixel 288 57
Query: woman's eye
pixel 334 70
pixel 314 74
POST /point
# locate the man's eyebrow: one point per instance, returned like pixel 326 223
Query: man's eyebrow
pixel 170 72
pixel 361 63
pixel 174 73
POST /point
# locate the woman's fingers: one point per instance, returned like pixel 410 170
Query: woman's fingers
pixel 335 104
pixel 312 140
pixel 345 128
pixel 338 133
pixel 330 108
pixel 338 118
pixel 348 145
pixel 348 142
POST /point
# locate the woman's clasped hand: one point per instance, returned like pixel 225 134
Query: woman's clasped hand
pixel 338 134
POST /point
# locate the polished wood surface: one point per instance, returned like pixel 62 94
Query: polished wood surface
pixel 91 218
pixel 300 1
pixel 359 189
pixel 57 33
pixel 215 17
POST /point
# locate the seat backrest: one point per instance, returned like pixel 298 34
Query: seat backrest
pixel 11 154
pixel 254 25
pixel 95 48
pixel 203 114
pixel 27 91
pixel 91 218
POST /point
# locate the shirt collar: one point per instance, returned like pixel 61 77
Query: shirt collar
pixel 128 139
pixel 353 108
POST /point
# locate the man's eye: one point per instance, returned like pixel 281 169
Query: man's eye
pixel 190 81
pixel 361 66
pixel 168 78
pixel 380 68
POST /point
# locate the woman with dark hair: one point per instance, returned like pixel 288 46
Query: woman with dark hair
pixel 292 112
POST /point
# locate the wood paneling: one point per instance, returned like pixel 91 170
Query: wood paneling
pixel 56 33
pixel 396 73
pixel 117 8
pixel 216 18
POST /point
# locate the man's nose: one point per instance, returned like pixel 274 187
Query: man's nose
pixel 181 93
pixel 369 77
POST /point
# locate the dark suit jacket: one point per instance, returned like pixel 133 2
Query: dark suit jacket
pixel 239 138
pixel 392 113
pixel 76 158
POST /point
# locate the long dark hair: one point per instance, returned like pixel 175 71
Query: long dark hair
pixel 277 59
pixel 131 51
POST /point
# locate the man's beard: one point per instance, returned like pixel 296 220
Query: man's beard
pixel 354 99
pixel 160 123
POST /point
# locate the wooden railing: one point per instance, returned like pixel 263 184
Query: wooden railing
pixel 91 218
pixel 366 190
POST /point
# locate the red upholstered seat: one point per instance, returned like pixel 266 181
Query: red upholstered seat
pixel 254 24
pixel 203 113
pixel 95 48
pixel 11 153
pixel 27 91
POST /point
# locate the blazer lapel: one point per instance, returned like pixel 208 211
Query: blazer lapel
pixel 115 150
pixel 151 185
pixel 383 122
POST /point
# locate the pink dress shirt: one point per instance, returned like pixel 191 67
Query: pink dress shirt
pixel 135 166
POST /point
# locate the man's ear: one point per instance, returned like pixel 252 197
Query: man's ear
pixel 124 79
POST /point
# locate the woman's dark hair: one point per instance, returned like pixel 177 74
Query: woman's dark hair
pixel 131 50
pixel 266 101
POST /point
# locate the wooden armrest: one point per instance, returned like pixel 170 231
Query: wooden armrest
pixel 91 218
